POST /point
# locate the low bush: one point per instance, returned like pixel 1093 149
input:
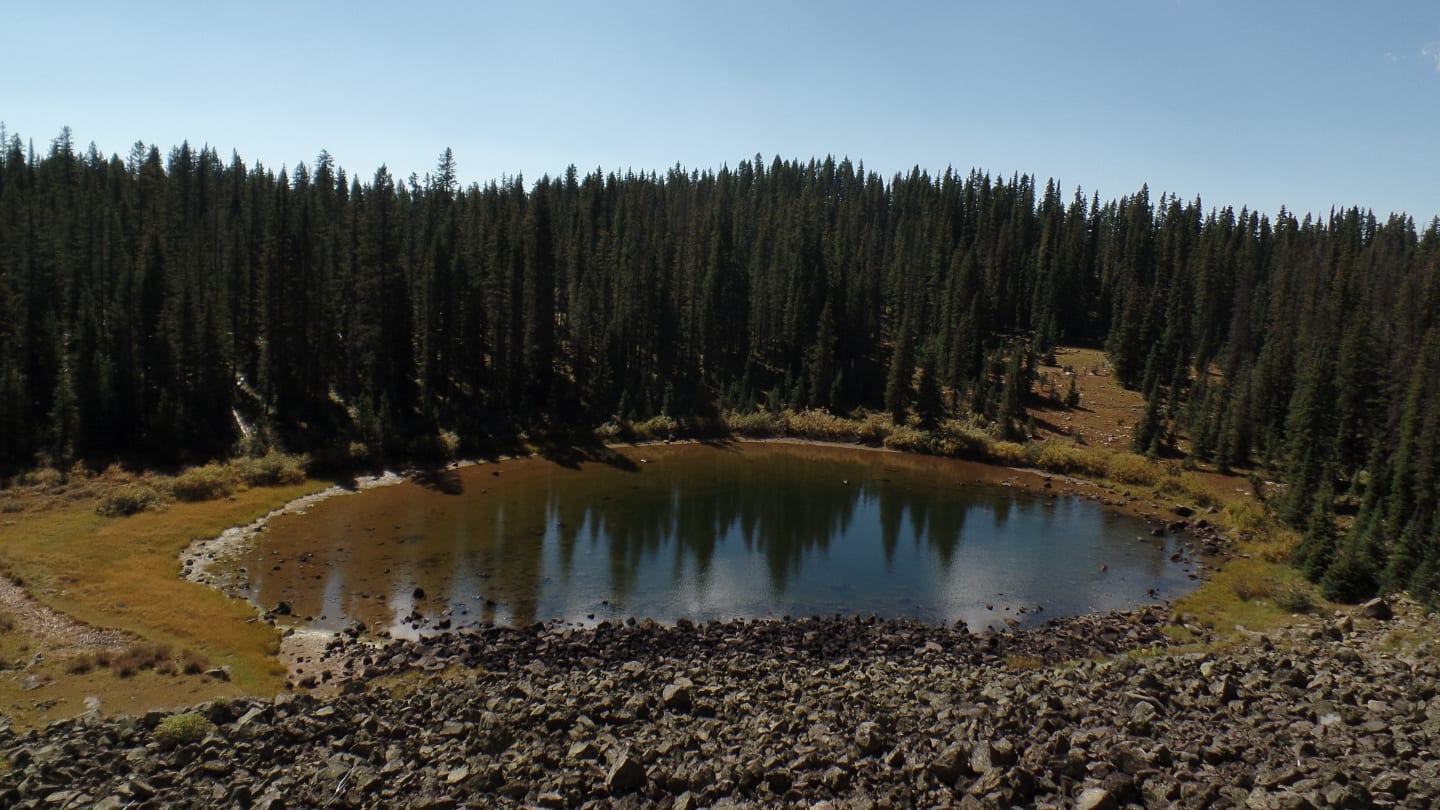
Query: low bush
pixel 183 729
pixel 138 657
pixel 271 470
pixel 1296 599
pixel 193 663
pixel 1072 460
pixel 655 428
pixel 44 478
pixel 1247 516
pixel 80 664
pixel 873 428
pixel 961 439
pixel 130 499
pixel 1009 454
pixel 1129 468
pixel 611 431
pixel 757 424
pixel 819 425
pixel 206 483
pixel 905 437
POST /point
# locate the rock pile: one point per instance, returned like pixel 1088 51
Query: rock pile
pixel 813 713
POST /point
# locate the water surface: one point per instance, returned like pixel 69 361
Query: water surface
pixel 735 531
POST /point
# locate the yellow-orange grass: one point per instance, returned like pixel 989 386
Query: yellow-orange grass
pixel 124 573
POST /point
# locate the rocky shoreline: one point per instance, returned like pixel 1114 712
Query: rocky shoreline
pixel 811 713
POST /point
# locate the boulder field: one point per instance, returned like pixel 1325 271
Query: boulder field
pixel 1093 712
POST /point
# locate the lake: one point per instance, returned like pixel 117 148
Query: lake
pixel 747 530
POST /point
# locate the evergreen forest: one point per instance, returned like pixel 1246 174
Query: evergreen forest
pixel 174 308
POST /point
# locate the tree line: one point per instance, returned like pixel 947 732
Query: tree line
pixel 169 308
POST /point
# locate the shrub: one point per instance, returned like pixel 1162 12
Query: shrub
pixel 964 440
pixel 1072 460
pixel 905 437
pixel 130 499
pixel 1296 599
pixel 610 432
pixel 206 483
pixel 873 429
pixel 193 663
pixel 1129 468
pixel 44 478
pixel 80 664
pixel 141 656
pixel 758 424
pixel 819 424
pixel 1246 515
pixel 183 729
pixel 1009 454
pixel 271 470
pixel 656 427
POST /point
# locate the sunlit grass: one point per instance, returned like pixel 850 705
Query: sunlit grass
pixel 124 573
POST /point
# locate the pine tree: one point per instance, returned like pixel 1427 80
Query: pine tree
pixel 929 401
pixel 899 388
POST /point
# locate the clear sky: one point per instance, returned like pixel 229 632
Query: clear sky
pixel 1243 102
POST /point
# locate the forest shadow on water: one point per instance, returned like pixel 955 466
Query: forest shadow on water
pixel 706 532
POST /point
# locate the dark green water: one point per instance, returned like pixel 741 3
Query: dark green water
pixel 749 530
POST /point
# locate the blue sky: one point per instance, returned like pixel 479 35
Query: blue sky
pixel 1304 104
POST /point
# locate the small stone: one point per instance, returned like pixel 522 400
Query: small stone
pixel 870 739
pixel 458 775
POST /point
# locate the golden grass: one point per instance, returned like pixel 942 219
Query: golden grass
pixel 124 573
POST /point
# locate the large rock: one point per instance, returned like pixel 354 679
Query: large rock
pixel 950 764
pixel 677 694
pixel 1377 608
pixel 986 756
pixel 1095 799
pixel 626 774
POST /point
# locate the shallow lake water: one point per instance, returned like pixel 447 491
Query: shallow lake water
pixel 735 531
